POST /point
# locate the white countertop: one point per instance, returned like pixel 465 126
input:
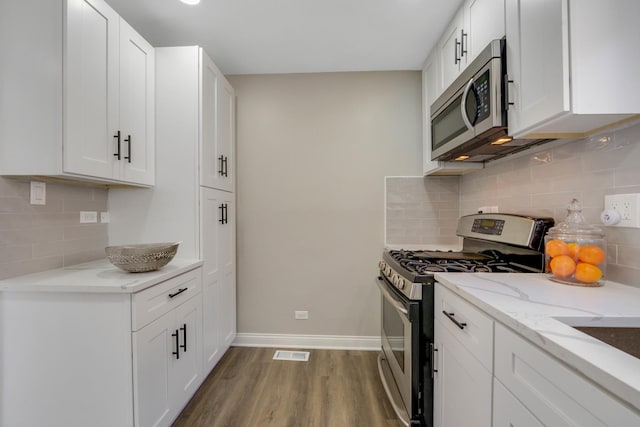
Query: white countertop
pixel 531 304
pixel 96 276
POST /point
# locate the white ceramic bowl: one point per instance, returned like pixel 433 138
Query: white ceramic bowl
pixel 141 257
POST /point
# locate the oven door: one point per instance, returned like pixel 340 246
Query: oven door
pixel 399 369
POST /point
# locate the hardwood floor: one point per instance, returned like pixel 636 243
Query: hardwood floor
pixel 335 388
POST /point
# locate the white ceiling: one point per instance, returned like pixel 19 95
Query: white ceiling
pixel 296 36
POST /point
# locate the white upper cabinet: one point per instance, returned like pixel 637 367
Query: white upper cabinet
pixel 472 28
pixel 99 110
pixel 218 128
pixel 570 68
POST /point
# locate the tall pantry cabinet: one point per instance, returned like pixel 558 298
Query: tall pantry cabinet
pixel 193 200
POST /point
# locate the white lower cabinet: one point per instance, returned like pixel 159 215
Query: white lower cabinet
pixel 508 411
pixel 463 346
pixel 550 390
pixel 78 359
pixel 488 375
pixel 166 358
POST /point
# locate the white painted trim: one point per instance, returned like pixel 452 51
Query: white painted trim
pixel 329 342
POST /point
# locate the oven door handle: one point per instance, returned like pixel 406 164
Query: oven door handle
pixel 396 303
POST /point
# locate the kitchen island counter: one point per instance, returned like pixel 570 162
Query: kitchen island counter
pixel 96 277
pixel 541 311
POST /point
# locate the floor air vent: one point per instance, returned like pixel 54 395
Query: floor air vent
pixel 298 356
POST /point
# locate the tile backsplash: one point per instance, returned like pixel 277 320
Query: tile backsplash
pixel 40 237
pixel 421 210
pixel 540 183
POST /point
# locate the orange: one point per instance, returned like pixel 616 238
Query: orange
pixel 562 266
pixel 591 254
pixel 574 248
pixel 587 273
pixel 556 248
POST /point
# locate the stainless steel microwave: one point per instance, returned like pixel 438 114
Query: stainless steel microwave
pixel 469 120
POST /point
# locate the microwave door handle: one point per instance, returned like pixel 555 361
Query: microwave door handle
pixel 463 105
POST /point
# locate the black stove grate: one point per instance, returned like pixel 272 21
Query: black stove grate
pixel 420 263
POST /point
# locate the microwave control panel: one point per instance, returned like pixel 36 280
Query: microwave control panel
pixel 483 96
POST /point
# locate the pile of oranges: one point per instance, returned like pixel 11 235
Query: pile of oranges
pixel 574 263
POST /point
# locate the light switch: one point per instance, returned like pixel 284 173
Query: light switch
pixel 38 193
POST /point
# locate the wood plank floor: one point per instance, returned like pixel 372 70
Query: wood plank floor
pixel 335 388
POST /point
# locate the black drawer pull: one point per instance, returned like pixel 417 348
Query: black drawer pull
pixel 460 325
pixel 177 293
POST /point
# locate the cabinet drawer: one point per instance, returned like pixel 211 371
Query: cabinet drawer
pixel 470 326
pixel 153 302
pixel 552 391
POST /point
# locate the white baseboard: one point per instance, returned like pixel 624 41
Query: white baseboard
pixel 329 342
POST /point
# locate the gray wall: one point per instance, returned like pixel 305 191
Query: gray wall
pixel 40 237
pixel 312 153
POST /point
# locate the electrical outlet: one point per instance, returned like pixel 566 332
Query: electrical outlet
pixel 87 217
pixel 302 315
pixel 104 217
pixel 627 205
pixel 38 194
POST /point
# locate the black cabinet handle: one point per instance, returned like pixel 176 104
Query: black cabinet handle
pixel 117 153
pixel 226 166
pixel 456 58
pixel 183 328
pixel 460 325
pixel 507 82
pixel 177 352
pixel 221 207
pixel 463 36
pixel 175 294
pixel 128 141
pixel 434 350
pixel 221 168
pixel 226 213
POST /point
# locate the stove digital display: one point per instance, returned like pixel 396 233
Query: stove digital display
pixel 488 226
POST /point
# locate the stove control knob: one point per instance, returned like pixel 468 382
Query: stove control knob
pixel 387 271
pixel 382 265
pixel 403 283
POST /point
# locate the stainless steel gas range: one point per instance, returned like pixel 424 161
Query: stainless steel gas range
pixel 491 243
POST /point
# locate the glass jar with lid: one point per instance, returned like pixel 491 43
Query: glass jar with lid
pixel 576 252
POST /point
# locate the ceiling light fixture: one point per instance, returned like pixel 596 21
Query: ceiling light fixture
pixel 461 158
pixel 190 2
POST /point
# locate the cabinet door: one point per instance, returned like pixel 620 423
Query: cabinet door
pixel 185 368
pixel 462 385
pixel 217 117
pixel 449 51
pixel 137 90
pixel 153 348
pixel 210 226
pixel 555 393
pixel 210 164
pixel 483 22
pixel 508 411
pixel 226 133
pixel 226 257
pixel 537 62
pixel 90 113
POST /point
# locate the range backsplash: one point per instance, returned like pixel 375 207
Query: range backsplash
pixel 541 183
